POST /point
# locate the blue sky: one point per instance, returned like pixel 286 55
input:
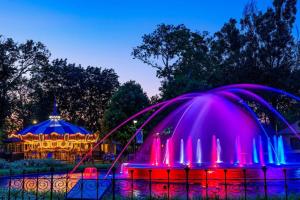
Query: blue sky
pixel 103 33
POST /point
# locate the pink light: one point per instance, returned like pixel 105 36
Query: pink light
pixel 90 173
pixel 189 151
pixel 167 154
pixel 214 156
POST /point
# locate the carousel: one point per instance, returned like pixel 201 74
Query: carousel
pixel 54 138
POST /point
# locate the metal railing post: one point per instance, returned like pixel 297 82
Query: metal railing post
pixel 23 183
pixel 264 168
pixel 51 183
pixel 131 172
pixel 168 171
pixel 206 182
pixel 81 186
pixel 225 179
pixel 187 181
pixel 245 184
pixel 67 185
pixel 150 184
pixel 114 183
pixel 285 184
pixel 97 184
pixel 37 184
pixel 9 183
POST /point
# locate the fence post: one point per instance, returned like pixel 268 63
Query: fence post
pixel 264 168
pixel 206 182
pixel 131 172
pixel 51 183
pixel 187 181
pixel 97 184
pixel 9 183
pixel 285 184
pixel 114 183
pixel 67 185
pixel 37 184
pixel 168 171
pixel 150 183
pixel 23 183
pixel 245 183
pixel 81 186
pixel 225 179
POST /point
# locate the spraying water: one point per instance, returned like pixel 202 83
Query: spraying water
pixel 238 151
pixel 167 153
pixel 199 153
pixel 203 115
pixel 281 154
pixel 255 156
pixel 261 152
pixel 219 149
pixel 275 141
pixel 181 152
pixel 270 153
pixel 214 151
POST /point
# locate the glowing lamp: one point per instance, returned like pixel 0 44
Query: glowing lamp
pixel 90 173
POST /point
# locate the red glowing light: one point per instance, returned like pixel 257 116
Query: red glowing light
pixel 90 173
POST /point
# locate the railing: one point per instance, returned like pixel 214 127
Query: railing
pixel 58 186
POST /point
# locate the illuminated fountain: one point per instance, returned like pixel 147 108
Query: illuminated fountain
pixel 214 129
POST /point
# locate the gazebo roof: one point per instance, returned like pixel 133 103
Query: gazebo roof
pixel 54 125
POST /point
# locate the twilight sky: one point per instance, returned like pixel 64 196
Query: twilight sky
pixel 103 32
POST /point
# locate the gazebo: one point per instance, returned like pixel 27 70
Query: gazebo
pixel 55 138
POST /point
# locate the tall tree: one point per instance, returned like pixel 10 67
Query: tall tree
pixel 129 99
pixel 179 56
pixel 260 49
pixel 16 62
pixel 82 93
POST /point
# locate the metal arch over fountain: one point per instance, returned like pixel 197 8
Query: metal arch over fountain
pixel 217 128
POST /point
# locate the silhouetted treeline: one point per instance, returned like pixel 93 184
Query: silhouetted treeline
pixel 259 48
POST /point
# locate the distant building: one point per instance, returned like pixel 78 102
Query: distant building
pixel 54 138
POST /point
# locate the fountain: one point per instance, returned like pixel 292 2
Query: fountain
pixel 281 154
pixel 199 153
pixel 219 151
pixel 255 156
pixel 218 128
pixel 167 153
pixel 210 131
pixel 181 152
pixel 270 152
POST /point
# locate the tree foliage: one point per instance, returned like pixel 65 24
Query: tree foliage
pixel 260 48
pixel 16 62
pixel 29 82
pixel 82 93
pixel 128 100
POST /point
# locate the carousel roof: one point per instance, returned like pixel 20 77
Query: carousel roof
pixel 54 125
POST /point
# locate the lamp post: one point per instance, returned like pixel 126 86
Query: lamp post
pixel 134 143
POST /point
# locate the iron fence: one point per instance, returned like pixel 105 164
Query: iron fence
pixel 63 186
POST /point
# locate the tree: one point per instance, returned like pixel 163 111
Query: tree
pixel 178 54
pixel 127 100
pixel 82 93
pixel 260 49
pixel 16 62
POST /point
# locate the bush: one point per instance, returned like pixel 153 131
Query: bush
pixel 37 163
pixel 3 164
